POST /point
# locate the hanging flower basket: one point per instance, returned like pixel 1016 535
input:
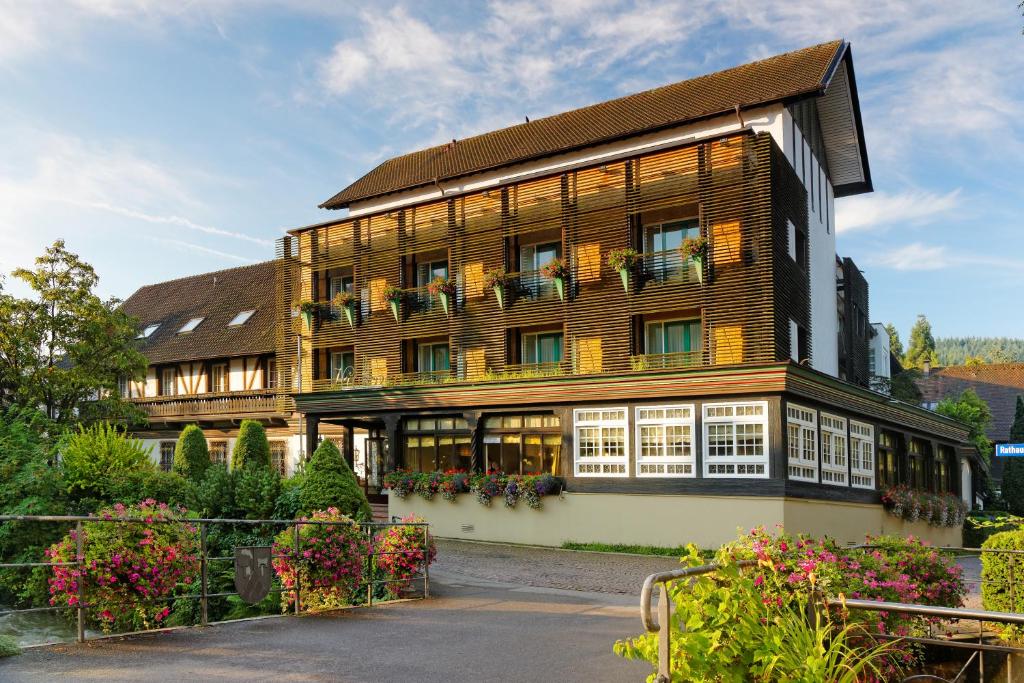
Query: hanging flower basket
pixel 393 295
pixel 557 270
pixel 623 260
pixel 307 309
pixel 496 280
pixel 695 248
pixel 444 289
pixel 346 302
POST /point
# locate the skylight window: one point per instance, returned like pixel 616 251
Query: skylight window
pixel 190 325
pixel 150 329
pixel 241 318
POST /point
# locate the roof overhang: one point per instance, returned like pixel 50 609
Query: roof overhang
pixel 842 128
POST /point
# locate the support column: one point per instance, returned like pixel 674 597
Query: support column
pixel 350 448
pixel 391 424
pixel 476 435
pixel 312 435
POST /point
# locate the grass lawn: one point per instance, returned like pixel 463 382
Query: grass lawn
pixel 677 551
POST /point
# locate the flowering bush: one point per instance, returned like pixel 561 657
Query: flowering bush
pixel 328 563
pixel 487 486
pixel 942 509
pixel 556 268
pixel 401 552
pixel 132 570
pixel 621 259
pixel 694 247
pixel 441 285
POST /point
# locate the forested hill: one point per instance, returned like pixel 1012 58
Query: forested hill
pixel 956 350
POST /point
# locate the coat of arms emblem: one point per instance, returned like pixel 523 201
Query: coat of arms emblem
pixel 252 572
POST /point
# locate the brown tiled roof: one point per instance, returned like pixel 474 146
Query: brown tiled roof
pixel 782 77
pixel 999 385
pixel 217 298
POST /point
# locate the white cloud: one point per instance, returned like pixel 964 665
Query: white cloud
pixel 189 246
pixel 862 212
pixel 919 257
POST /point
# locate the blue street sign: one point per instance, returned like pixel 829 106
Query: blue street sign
pixel 1010 450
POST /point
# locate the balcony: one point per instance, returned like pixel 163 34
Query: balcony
pixel 666 361
pixel 668 266
pixel 212 405
pixel 532 284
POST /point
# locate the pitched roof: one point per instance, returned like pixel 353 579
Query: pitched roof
pixel 998 384
pixel 781 78
pixel 216 298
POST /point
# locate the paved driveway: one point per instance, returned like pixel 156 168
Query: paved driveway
pixel 475 628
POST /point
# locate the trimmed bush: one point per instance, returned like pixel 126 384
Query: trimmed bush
pixel 214 495
pixel 166 487
pixel 191 454
pixel 329 482
pixel 256 491
pixel 8 647
pixel 251 447
pixel 996 572
pixel 95 458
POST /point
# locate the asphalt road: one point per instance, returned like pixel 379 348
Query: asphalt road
pixel 471 629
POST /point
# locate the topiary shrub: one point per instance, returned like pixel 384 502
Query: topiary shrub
pixel 191 454
pixel 214 495
pixel 94 459
pixel 330 483
pixel 996 572
pixel 251 447
pixel 8 647
pixel 256 491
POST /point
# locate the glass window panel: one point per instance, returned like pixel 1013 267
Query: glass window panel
pixel 533 421
pixel 513 421
pixel 446 423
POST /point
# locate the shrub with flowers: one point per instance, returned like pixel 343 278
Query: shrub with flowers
pixel 622 259
pixel 453 483
pixel 694 247
pixel 941 509
pixel 512 487
pixel 441 285
pixel 392 295
pixel 132 571
pixel 329 562
pixel 401 552
pixel 555 269
pixel 400 482
pixel 488 486
pixel 427 485
pixel 497 277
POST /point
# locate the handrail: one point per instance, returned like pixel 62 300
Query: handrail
pixel 244 393
pixel 665 578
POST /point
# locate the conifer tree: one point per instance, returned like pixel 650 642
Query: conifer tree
pixel 251 447
pixel 191 454
pixel 1013 472
pixel 329 482
pixel 922 344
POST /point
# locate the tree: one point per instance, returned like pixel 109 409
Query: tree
pixel 922 345
pixel 895 345
pixel 251 447
pixel 96 459
pixel 63 349
pixel 903 386
pixel 330 483
pixel 1013 471
pixel 970 409
pixel 191 454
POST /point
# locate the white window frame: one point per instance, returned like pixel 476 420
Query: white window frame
pixel 224 376
pixel 191 325
pixel 661 465
pixel 282 444
pixel 862 455
pixel 801 443
pixel 148 331
pixel 173 382
pixel 734 415
pixel 241 318
pixel 583 418
pixel 835 451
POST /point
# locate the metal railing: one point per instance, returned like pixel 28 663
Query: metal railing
pixel 666 361
pixel 78 522
pixel 668 266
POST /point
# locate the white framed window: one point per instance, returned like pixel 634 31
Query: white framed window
pixel 833 450
pixel 150 329
pixel 802 435
pixel 190 325
pixel 279 457
pixel 862 455
pixel 664 441
pixel 601 444
pixel 241 318
pixel 736 439
pixel 219 378
pixel 169 382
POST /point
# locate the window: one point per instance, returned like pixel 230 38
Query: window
pixel 433 357
pixel 168 382
pixel 664 437
pixel 542 347
pixel 219 453
pixel 124 387
pixel 149 329
pixel 341 284
pixel 802 435
pixel 437 444
pixel 425 273
pixel 942 468
pixel 342 365
pixel 533 257
pixel 801 249
pixel 241 318
pixel 661 245
pixel 279 456
pixel 677 341
pixel 736 439
pixel 833 450
pixel 218 378
pixel 190 325
pixel 918 471
pixel 887 471
pixel 166 455
pixel 601 443
pixel 270 374
pixel 791 241
pixel 862 461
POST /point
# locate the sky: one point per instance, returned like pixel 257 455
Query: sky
pixel 161 139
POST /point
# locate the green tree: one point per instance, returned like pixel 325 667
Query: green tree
pixel 96 459
pixel 256 490
pixel 903 386
pixel 922 345
pixel 970 409
pixel 191 454
pixel 251 447
pixel 62 347
pixel 329 482
pixel 1013 471
pixel 895 345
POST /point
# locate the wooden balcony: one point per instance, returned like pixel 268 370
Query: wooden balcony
pixel 254 403
pixel 666 361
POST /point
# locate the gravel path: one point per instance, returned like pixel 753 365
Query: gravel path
pixel 548 567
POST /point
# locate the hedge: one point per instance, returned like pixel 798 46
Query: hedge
pixel 191 454
pixel 996 573
pixel 329 482
pixel 251 447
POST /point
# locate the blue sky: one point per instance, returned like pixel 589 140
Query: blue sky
pixel 161 139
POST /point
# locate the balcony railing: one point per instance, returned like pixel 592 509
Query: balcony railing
pixel 212 404
pixel 533 284
pixel 668 266
pixel 666 361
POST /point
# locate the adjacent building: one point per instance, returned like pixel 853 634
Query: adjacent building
pixel 678 400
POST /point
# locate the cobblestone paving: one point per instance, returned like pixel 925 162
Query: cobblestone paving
pixel 547 567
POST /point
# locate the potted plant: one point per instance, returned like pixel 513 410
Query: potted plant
pixel 557 270
pixel 393 295
pixel 695 248
pixel 622 260
pixel 443 288
pixel 345 301
pixel 497 280
pixel 307 309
